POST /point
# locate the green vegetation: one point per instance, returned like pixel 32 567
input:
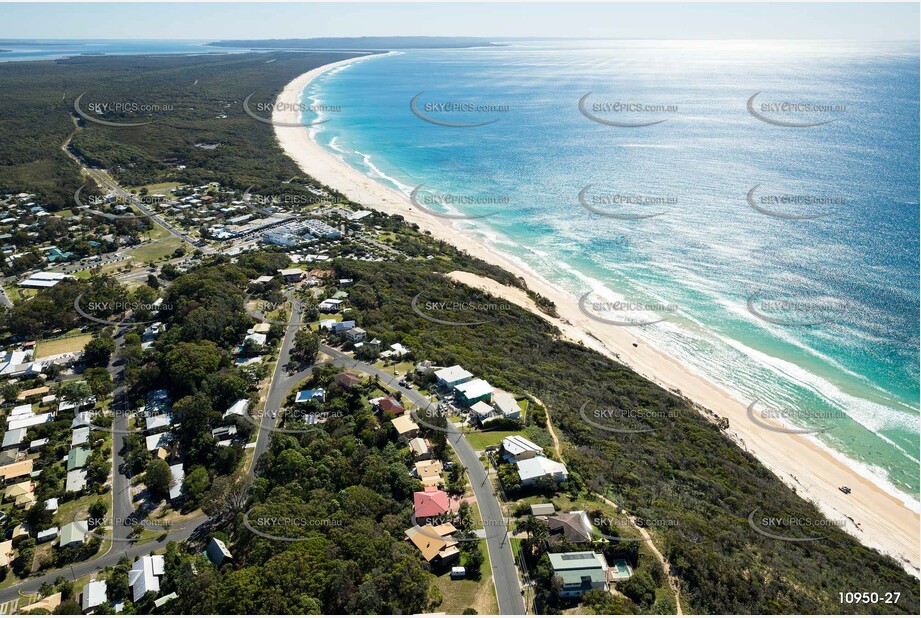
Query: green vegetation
pixel 198 98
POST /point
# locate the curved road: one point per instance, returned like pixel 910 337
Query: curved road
pixel 505 573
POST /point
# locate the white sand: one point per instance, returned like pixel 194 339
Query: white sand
pixel 879 519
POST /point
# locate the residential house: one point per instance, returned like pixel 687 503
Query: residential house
pixel 347 379
pixel 435 548
pixel 304 396
pixel 356 334
pixel 175 487
pixel 74 534
pixel 468 393
pixel 580 572
pixel 6 553
pixel 420 448
pixel 406 427
pixel 239 408
pixel 77 457
pixel 14 437
pixel 16 470
pixel 530 470
pixel 80 436
pixel 429 472
pixel 449 377
pixel 572 527
pixel 430 503
pixel 518 448
pixel 217 552
pixel 390 406
pixel 94 595
pixel 330 305
pixel 145 575
pixel 76 480
pixel 47 535
pixel 339 327
pixel 291 275
pixel 505 404
pixel 542 509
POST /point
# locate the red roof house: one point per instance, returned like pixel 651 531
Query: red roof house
pixel 391 406
pixel 431 503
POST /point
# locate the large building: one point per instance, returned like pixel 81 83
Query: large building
pixel 580 571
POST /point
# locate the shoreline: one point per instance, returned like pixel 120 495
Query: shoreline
pixel 877 518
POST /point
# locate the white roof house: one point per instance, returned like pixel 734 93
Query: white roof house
pixel 29 421
pixel 14 437
pixel 454 375
pixel 239 408
pixel 505 404
pixel 144 576
pixel 81 435
pixel 76 480
pixel 158 421
pixel 519 447
pixel 257 338
pixel 175 488
pixel 94 594
pixel 474 389
pixel 157 440
pixel 482 410
pixel 529 470
pixel 43 280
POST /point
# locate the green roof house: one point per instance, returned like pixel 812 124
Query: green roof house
pixel 77 457
pixel 580 571
pixel 73 534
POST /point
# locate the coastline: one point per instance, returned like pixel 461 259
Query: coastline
pixel 874 516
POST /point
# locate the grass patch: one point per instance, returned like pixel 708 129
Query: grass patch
pixel 65 345
pixel 157 250
pixel 480 440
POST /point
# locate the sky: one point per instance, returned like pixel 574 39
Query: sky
pixel 214 21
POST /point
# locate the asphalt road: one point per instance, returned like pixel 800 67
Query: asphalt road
pixel 505 573
pixel 282 383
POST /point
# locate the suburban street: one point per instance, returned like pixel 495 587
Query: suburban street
pixel 505 573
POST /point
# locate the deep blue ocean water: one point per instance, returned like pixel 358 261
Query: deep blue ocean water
pixel 835 342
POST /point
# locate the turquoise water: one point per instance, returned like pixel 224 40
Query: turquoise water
pixel 852 371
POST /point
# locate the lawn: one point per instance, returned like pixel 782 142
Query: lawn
pixel 64 345
pixel 16 293
pixel 481 439
pixel 157 250
pixel 463 593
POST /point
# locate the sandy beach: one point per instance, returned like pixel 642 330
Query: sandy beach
pixel 874 516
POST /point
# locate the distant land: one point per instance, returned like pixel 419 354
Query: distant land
pixel 363 42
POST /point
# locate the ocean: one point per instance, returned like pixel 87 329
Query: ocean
pixel 750 208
